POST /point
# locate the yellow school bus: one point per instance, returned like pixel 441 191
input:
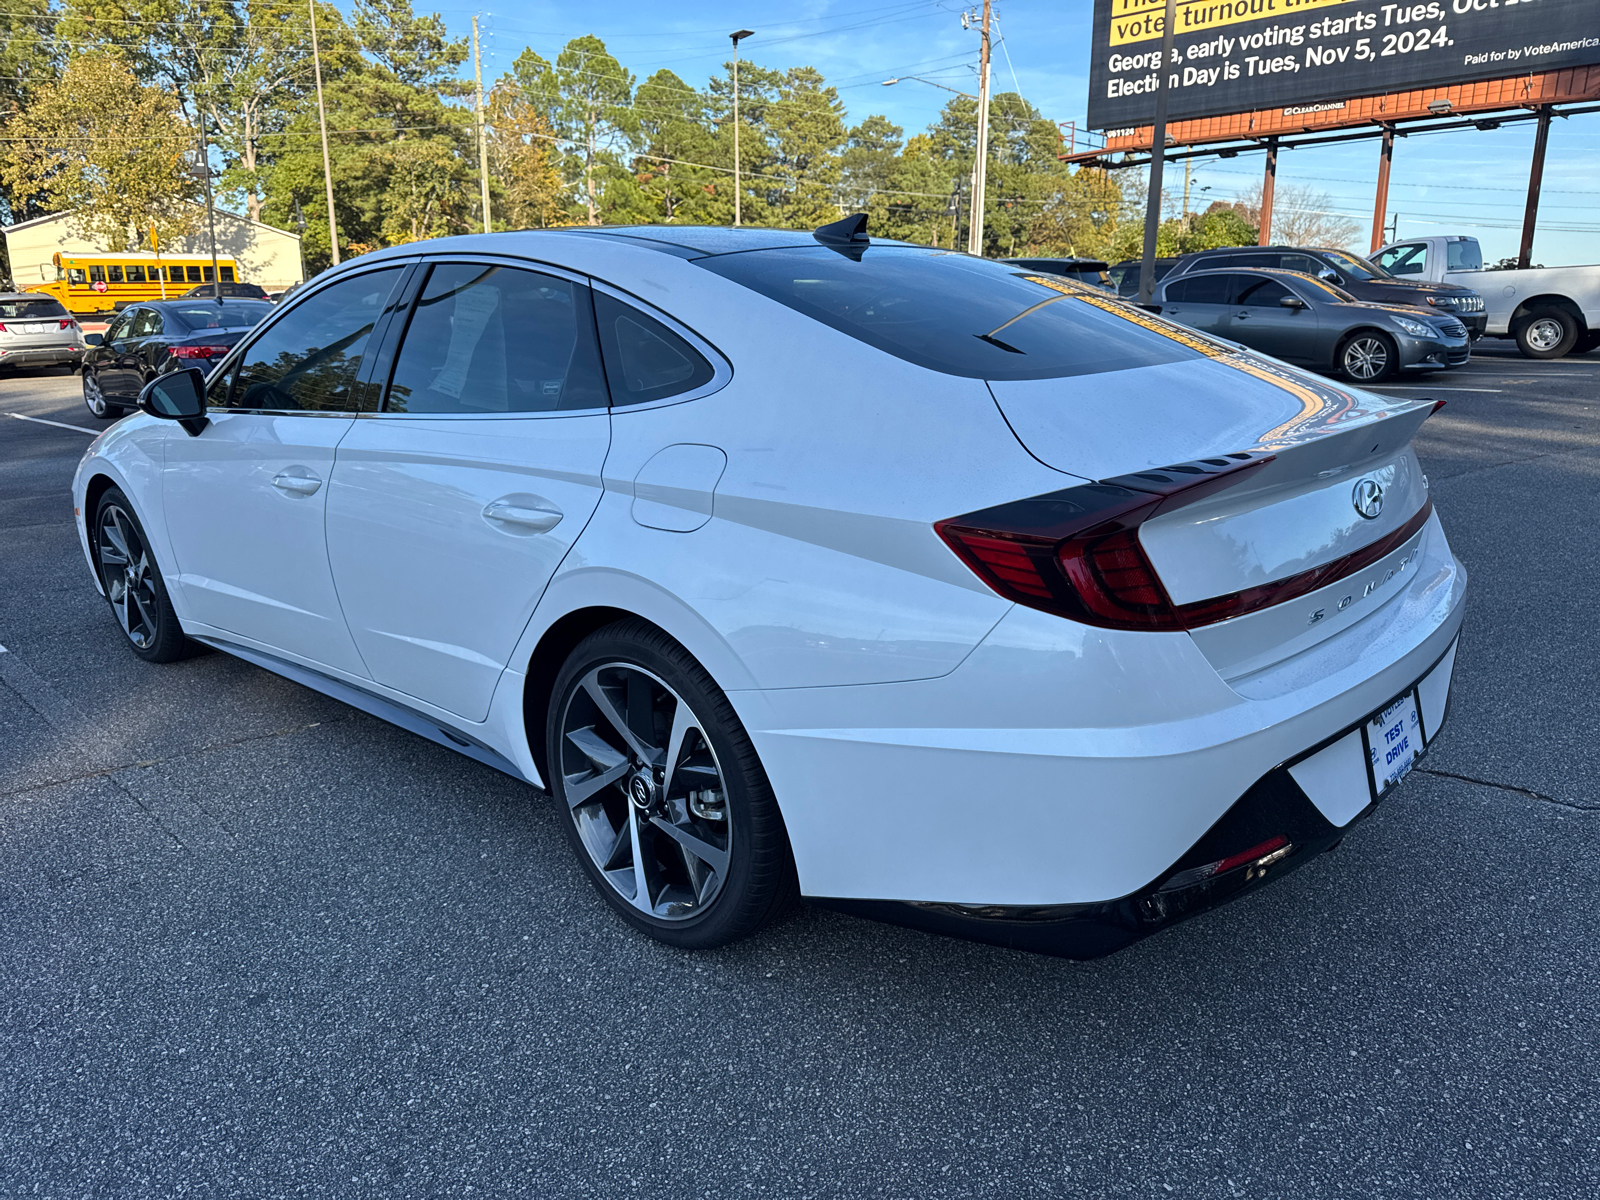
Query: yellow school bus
pixel 94 283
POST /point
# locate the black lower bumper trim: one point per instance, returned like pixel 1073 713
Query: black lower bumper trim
pixel 1274 806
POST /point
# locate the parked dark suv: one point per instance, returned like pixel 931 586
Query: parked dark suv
pixel 241 291
pixel 1362 279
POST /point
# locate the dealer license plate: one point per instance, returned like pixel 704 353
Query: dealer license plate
pixel 36 328
pixel 1394 739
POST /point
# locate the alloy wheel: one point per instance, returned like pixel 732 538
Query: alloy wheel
pixel 92 395
pixel 129 576
pixel 1366 358
pixel 1545 334
pixel 645 791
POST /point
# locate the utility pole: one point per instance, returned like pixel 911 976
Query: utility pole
pixel 322 123
pixel 738 36
pixel 1158 159
pixel 211 210
pixel 1188 172
pixel 483 139
pixel 980 168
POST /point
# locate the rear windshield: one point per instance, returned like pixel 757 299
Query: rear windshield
pixel 230 314
pixel 25 310
pixel 958 314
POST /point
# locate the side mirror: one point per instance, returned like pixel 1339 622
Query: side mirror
pixel 1292 302
pixel 180 396
pixel 1329 275
pixel 94 339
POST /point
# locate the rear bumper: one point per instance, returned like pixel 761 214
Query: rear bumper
pixel 36 356
pixel 1276 814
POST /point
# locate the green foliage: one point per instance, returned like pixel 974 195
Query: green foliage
pixel 108 149
pixel 1220 227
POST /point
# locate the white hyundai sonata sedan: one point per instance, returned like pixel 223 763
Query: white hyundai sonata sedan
pixel 920 585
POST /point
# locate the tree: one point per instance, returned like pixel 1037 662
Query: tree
pixel 806 134
pixel 28 58
pixel 1221 225
pixel 674 161
pixel 524 162
pixel 108 149
pixel 1301 216
pixel 588 97
pixel 868 159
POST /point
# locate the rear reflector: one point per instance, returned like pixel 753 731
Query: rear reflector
pixel 1076 552
pixel 1264 855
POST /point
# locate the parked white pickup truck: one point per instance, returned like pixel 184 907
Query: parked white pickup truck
pixel 1551 311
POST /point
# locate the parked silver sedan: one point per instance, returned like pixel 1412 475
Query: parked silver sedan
pixel 36 331
pixel 1308 321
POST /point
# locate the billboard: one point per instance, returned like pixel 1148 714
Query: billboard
pixel 1236 55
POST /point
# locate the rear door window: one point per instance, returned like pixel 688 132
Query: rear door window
pixel 644 359
pixel 491 339
pixel 310 357
pixel 954 313
pixel 1204 289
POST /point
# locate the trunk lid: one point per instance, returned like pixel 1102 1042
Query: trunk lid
pixel 1298 513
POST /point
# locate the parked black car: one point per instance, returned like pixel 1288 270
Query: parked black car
pixel 1125 275
pixel 243 291
pixel 1084 270
pixel 1305 320
pixel 1362 279
pixel 144 340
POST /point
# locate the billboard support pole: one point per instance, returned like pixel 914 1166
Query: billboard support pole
pixel 1530 216
pixel 1158 159
pixel 1269 182
pixel 1380 206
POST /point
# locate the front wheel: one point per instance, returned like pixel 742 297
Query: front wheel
pixel 95 400
pixel 664 799
pixel 133 583
pixel 1548 332
pixel 1369 357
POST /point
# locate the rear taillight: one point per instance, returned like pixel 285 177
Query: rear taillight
pixel 207 352
pixel 1076 552
pixel 69 324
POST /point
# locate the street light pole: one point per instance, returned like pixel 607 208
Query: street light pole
pixel 738 36
pixel 322 122
pixel 1158 160
pixel 483 139
pixel 211 209
pixel 980 170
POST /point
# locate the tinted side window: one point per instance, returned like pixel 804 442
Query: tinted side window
pixel 1205 289
pixel 644 359
pixel 309 359
pixel 147 322
pixel 491 339
pixel 1301 262
pixel 1262 292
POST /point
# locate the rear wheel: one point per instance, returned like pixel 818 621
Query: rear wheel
pixel 664 798
pixel 133 583
pixel 1548 332
pixel 94 399
pixel 1368 357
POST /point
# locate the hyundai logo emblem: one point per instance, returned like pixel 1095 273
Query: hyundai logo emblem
pixel 640 792
pixel 1368 498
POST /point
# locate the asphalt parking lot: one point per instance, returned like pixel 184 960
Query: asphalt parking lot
pixel 260 944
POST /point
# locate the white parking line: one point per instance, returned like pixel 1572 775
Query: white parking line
pixel 57 424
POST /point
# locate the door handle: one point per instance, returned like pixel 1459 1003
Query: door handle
pixel 1244 316
pixel 525 514
pixel 296 485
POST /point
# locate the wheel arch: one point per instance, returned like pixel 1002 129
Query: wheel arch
pixel 1350 335
pixel 1526 309
pixel 555 644
pixel 98 485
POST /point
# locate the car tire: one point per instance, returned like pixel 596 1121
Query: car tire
pixel 693 853
pixel 95 401
pixel 1368 356
pixel 133 583
pixel 1548 332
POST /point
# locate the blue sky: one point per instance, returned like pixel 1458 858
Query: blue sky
pixel 1466 182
